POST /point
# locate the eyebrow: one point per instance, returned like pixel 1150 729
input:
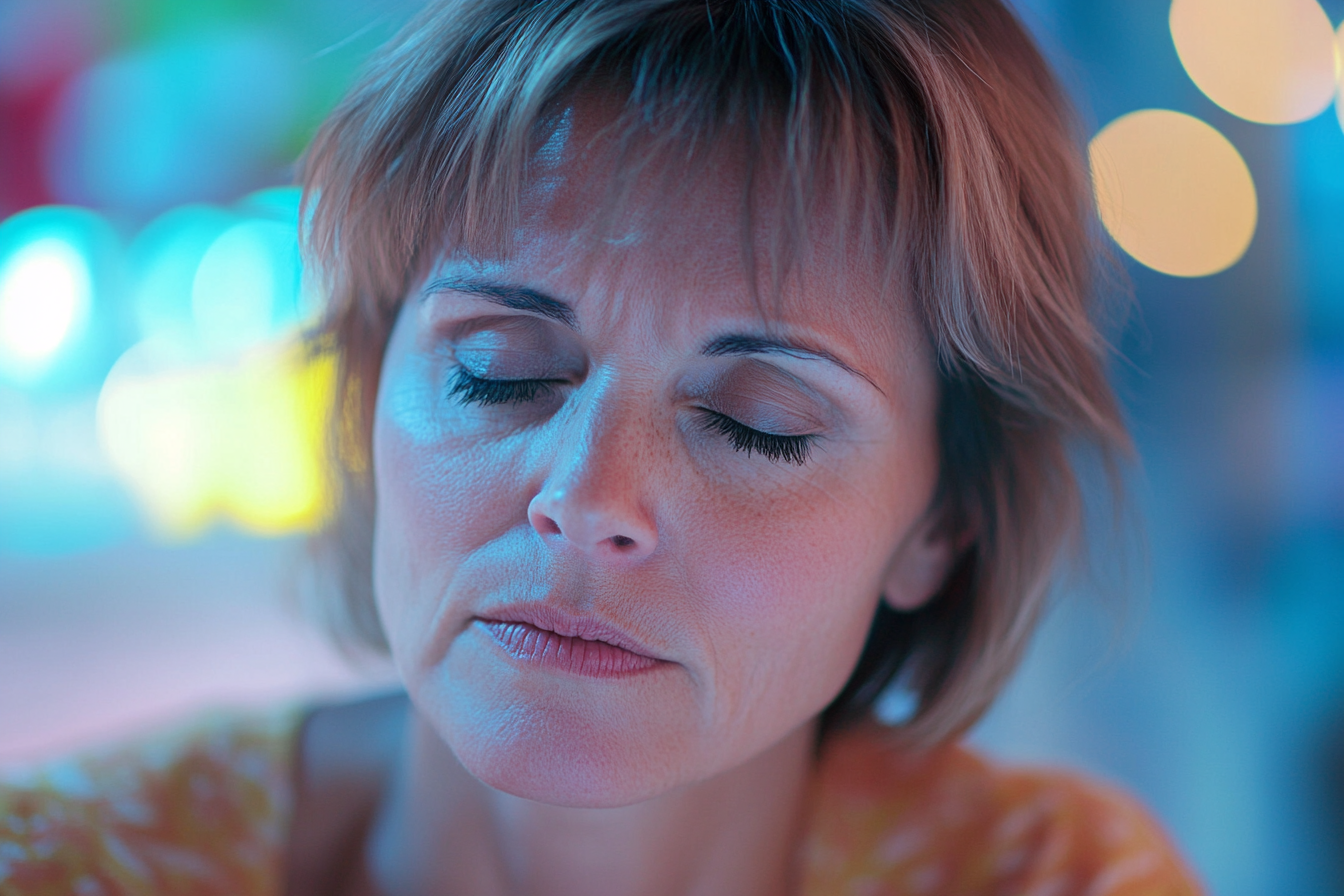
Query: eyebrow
pixel 754 344
pixel 522 298
pixel 518 298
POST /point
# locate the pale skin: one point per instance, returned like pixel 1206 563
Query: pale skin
pixel 611 493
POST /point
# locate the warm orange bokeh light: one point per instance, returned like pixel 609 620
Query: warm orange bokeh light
pixel 1339 75
pixel 1173 192
pixel 1268 61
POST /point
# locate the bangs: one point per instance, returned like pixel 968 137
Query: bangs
pixel 786 89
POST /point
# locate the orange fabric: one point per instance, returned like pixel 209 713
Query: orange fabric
pixel 888 823
pixel 204 812
pixel 200 811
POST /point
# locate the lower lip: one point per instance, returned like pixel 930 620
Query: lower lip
pixel 592 659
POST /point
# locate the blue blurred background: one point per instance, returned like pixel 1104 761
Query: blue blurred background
pixel 160 434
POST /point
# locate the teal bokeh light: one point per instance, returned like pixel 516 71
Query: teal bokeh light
pixel 193 117
pixel 211 280
pixel 163 260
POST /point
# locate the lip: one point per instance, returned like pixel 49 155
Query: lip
pixel 554 639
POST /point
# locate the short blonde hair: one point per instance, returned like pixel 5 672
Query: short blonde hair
pixel 938 121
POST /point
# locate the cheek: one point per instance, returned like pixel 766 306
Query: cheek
pixel 787 586
pixel 789 579
pixel 439 498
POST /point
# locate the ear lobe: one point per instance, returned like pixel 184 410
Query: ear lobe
pixel 921 565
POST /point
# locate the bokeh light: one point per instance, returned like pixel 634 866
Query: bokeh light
pixel 220 280
pixel 163 260
pixel 44 292
pixel 1173 192
pixel 47 286
pixel 1268 61
pixel 188 118
pixel 239 440
pixel 1339 74
pixel 245 286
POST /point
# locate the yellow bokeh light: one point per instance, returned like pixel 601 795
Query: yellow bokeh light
pixel 1173 192
pixel 241 440
pixel 1268 61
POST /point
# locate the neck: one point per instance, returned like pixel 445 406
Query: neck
pixel 441 831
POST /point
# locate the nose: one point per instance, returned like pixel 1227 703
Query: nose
pixel 594 496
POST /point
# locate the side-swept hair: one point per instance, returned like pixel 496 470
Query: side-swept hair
pixel 955 151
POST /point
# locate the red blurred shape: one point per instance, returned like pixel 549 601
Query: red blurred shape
pixel 43 44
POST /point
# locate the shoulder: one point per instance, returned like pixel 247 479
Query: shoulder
pixel 203 808
pixel 952 821
pixel 345 756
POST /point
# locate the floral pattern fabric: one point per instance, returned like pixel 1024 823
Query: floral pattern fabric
pixel 204 811
pixel 889 823
pixel 199 811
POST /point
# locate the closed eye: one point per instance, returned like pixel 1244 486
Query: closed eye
pixel 471 389
pixel 790 449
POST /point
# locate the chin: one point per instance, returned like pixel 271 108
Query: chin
pixel 589 755
pixel 581 779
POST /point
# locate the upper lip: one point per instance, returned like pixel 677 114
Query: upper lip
pixel 567 624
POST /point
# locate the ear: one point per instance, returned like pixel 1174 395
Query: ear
pixel 922 562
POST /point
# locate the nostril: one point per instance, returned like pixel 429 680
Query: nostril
pixel 547 526
pixel 621 541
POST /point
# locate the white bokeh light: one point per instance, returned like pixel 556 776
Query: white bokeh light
pixel 45 292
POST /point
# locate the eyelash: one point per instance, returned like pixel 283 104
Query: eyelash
pixel 475 390
pixel 789 449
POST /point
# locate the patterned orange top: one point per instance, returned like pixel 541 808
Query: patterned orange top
pixel 204 810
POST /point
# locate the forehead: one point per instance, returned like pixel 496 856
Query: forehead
pixel 625 229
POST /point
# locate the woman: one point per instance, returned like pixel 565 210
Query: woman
pixel 707 368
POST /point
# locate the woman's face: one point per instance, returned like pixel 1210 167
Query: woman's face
pixel 630 533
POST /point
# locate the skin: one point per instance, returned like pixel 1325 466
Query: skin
pixel 753 579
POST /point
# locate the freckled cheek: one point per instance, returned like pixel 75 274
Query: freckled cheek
pixel 790 584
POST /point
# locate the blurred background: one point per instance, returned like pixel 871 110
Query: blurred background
pixel 160 432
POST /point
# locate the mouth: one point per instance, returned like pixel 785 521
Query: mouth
pixel 577 645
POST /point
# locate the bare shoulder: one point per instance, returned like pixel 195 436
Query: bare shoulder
pixel 951 820
pixel 345 754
